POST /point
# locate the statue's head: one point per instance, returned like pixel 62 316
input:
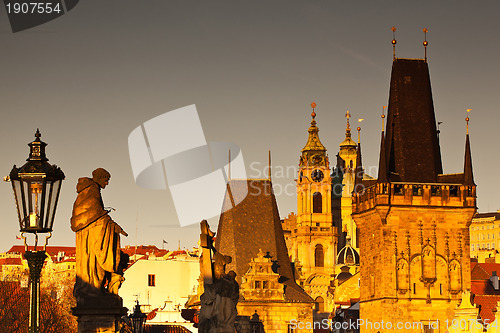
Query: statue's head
pixel 101 177
pixel 231 275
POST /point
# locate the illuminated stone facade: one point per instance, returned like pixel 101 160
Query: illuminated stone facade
pixel 485 235
pixel 413 220
pixel 312 235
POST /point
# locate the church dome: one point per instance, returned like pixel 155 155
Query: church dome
pixel 348 142
pixel 344 274
pixel 348 255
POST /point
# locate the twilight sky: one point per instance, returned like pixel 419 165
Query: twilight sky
pixel 252 68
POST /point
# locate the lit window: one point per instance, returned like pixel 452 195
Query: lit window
pixel 472 247
pixel 151 280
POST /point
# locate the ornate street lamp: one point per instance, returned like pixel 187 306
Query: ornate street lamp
pixel 138 319
pixel 36 188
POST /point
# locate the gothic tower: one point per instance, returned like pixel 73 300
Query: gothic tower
pixel 314 236
pixel 413 220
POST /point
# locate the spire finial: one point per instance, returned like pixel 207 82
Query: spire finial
pixel 425 42
pixel 383 116
pixel 348 115
pixel 359 130
pixel 269 172
pixel 313 114
pixel 393 42
pixel 37 135
pixel 467 120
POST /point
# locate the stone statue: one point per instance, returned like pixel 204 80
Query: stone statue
pixel 221 291
pixel 99 261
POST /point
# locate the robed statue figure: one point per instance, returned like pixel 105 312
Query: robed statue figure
pixel 99 261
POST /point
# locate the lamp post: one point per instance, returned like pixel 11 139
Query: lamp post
pixel 36 187
pixel 138 319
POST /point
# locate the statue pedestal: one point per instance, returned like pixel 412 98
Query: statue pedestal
pixel 99 314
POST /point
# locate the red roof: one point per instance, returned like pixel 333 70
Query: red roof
pixel 142 249
pixel 485 296
pixel 69 251
pixel 490 268
pixel 487 305
pixel 483 287
pixel 11 261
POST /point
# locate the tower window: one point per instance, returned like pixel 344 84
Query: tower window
pixel 436 191
pixel 398 189
pixel 414 288
pixel 417 190
pixel 320 304
pixel 319 256
pixel 151 280
pixel 454 191
pixel 317 203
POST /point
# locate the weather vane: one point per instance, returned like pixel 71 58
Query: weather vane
pixel 393 42
pixel 383 116
pixel 425 43
pixel 467 120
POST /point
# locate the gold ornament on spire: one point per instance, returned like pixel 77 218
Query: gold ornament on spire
pixel 467 120
pixel 383 116
pixel 348 141
pixel 359 130
pixel 425 43
pixel 313 114
pixel 348 115
pixel 393 42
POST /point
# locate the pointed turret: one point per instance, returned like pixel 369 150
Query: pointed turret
pixel 468 174
pixel 382 164
pixel 313 142
pixel 413 153
pixel 359 166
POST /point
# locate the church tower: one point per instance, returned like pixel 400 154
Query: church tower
pixel 348 154
pixel 413 220
pixel 314 236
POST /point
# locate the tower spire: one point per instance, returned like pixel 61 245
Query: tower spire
pixel 383 116
pixel 313 142
pixel 393 42
pixel 269 171
pixel 382 164
pixel 425 43
pixel 468 174
pixel 359 165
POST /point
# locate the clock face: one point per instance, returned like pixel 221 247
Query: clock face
pixel 317 175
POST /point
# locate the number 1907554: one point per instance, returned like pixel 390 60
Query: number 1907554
pixel 33 7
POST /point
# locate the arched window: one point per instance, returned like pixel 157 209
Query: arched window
pixel 317 203
pixel 320 304
pixel 319 256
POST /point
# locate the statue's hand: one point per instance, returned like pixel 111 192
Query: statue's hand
pixel 124 233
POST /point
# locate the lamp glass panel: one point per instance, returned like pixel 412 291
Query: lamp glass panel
pixel 19 201
pixel 27 199
pixel 49 187
pixel 52 195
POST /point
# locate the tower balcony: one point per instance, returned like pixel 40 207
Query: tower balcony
pixel 414 194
